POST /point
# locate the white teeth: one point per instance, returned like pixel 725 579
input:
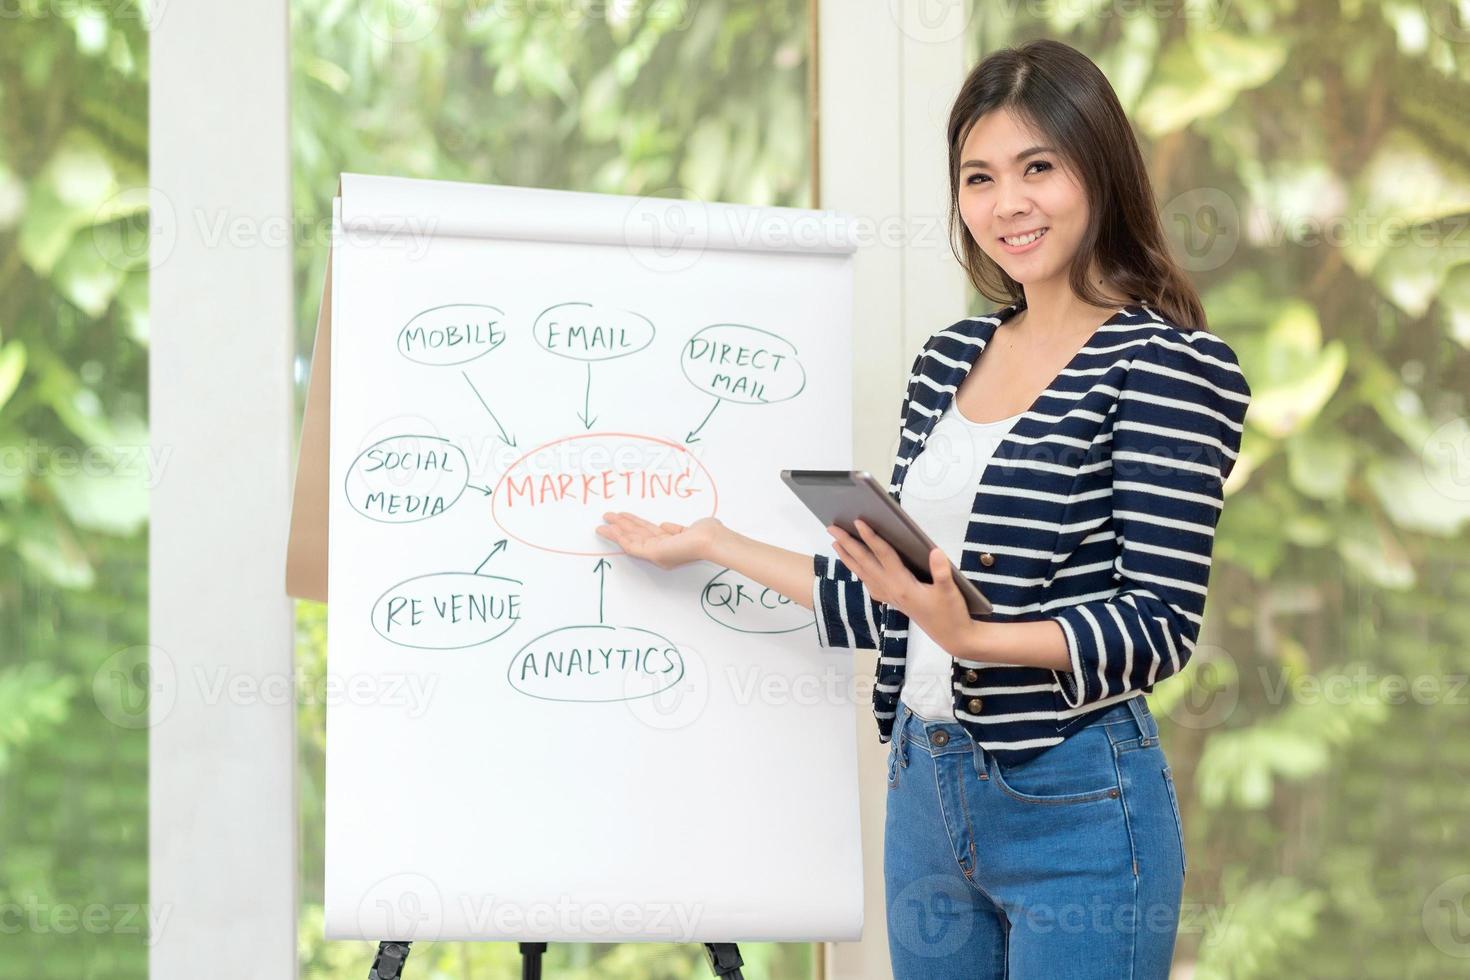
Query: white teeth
pixel 1025 239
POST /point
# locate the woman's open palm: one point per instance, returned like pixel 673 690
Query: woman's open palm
pixel 667 545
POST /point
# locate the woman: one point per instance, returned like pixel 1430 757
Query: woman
pixel 1075 473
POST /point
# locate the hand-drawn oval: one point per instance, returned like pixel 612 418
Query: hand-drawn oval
pixel 402 479
pixel 742 604
pixel 452 334
pixel 742 364
pixel 586 332
pixel 553 498
pixel 447 610
pixel 596 662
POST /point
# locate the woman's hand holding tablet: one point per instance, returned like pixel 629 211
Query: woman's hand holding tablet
pixel 892 555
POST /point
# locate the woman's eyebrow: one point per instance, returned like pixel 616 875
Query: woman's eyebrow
pixel 1029 151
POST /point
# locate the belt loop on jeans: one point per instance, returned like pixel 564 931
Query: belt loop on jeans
pixel 980 760
pixel 1147 727
pixel 982 763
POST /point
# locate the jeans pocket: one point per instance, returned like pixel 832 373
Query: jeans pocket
pixel 1178 823
pixel 893 760
pixel 1078 770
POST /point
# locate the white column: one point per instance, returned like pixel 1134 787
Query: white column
pixel 886 81
pixel 222 794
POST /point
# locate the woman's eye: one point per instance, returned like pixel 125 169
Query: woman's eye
pixel 976 178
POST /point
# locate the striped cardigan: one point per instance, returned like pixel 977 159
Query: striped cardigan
pixel 1098 511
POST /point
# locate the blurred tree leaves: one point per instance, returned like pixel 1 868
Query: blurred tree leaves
pixel 73 491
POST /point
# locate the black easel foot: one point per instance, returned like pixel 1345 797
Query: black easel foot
pixel 388 964
pixel 724 960
pixel 531 960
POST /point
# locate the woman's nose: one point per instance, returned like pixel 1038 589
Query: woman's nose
pixel 1010 201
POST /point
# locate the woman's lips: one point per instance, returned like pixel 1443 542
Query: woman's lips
pixel 1018 249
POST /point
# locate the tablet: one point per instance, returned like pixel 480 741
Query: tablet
pixel 839 496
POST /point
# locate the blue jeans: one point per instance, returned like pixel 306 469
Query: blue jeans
pixel 1067 866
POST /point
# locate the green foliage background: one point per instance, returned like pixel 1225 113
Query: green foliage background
pixel 73 493
pixel 1313 167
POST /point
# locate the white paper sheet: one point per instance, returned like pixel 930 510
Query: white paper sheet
pixel 529 735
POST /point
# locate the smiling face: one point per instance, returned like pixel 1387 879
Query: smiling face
pixel 1012 186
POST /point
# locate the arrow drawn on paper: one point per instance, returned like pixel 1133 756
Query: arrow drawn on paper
pixel 601 569
pixel 499 547
pixel 586 396
pixel 694 435
pixel 509 440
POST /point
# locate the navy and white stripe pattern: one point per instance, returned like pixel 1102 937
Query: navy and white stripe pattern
pixel 1098 511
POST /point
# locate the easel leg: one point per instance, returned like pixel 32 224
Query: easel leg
pixel 531 960
pixel 724 960
pixel 388 964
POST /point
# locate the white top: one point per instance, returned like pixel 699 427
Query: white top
pixel 939 494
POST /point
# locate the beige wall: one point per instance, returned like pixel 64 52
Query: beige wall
pixel 222 805
pixel 886 80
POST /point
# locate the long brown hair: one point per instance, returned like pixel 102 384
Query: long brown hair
pixel 1057 90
